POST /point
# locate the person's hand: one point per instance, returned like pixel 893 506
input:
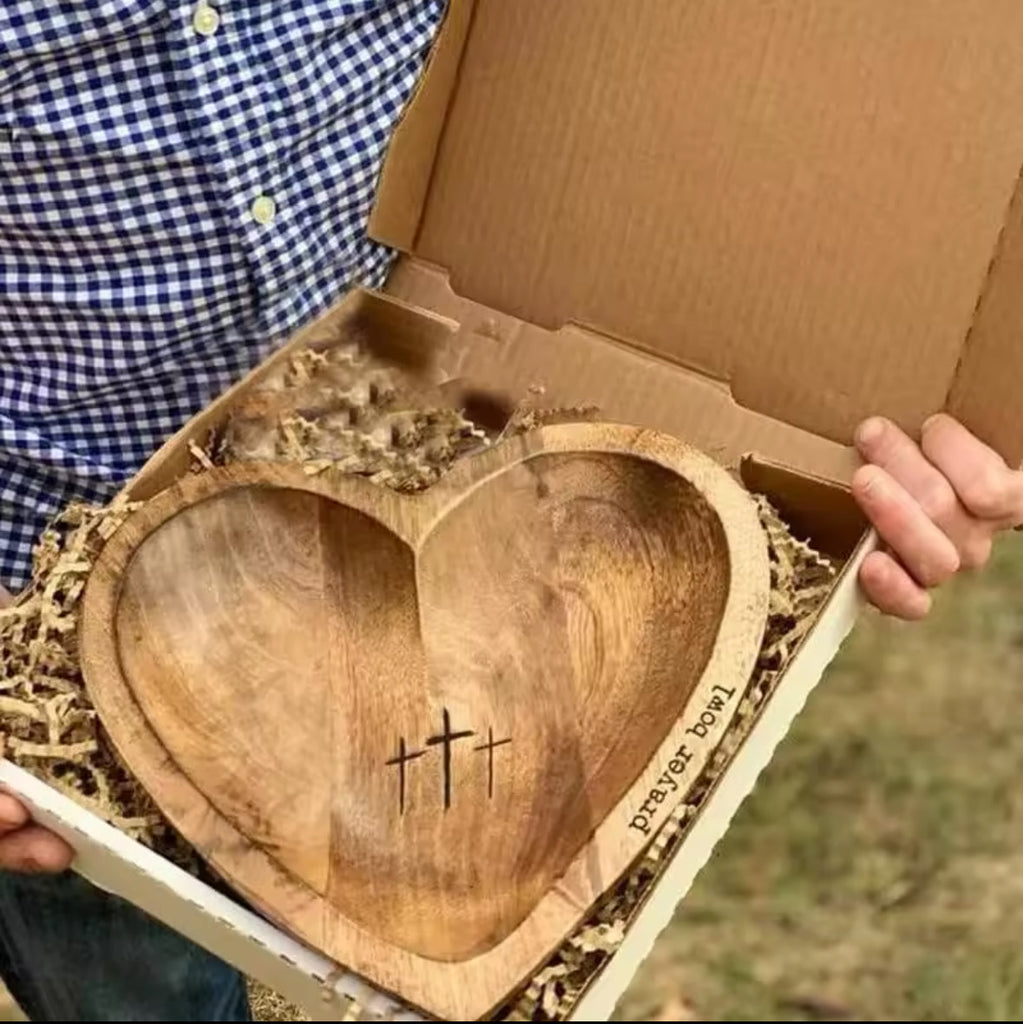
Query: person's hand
pixel 937 506
pixel 25 846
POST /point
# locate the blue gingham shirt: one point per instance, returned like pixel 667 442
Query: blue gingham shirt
pixel 182 184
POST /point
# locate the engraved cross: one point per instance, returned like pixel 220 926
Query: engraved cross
pixel 403 758
pixel 489 747
pixel 445 739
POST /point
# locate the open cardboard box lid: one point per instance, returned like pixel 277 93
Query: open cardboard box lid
pixel 753 222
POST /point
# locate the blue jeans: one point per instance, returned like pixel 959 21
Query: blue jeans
pixel 71 952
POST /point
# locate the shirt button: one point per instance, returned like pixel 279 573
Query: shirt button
pixel 264 209
pixel 205 20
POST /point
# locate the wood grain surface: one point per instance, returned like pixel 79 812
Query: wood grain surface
pixel 419 732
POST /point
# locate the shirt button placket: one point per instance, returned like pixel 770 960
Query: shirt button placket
pixel 206 22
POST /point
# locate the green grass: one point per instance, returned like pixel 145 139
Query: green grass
pixel 876 872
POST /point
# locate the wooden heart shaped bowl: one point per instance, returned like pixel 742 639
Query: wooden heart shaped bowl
pixel 426 733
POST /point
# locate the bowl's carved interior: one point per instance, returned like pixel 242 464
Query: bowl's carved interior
pixel 427 736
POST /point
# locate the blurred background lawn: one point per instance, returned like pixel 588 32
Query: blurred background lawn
pixel 876 872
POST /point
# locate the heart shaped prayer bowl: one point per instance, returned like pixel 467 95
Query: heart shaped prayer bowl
pixel 426 733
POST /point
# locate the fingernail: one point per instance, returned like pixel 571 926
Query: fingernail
pixel 929 422
pixel 869 481
pixel 869 431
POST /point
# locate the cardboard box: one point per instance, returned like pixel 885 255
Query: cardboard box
pixel 748 225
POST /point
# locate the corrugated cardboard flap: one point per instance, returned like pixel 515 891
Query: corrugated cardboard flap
pixel 813 203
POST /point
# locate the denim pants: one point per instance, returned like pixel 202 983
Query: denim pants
pixel 71 952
